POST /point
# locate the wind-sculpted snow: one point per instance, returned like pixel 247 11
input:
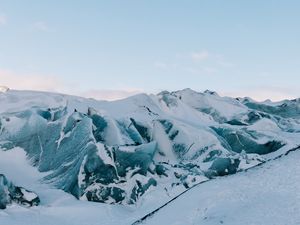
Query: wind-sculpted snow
pixel 115 152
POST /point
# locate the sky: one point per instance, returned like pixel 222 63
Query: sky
pixel 113 49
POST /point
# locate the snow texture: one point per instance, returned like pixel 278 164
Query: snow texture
pixel 138 153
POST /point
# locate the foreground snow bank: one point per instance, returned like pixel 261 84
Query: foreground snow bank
pixel 264 195
pixel 268 194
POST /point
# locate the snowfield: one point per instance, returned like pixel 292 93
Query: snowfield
pixel 265 195
pixel 180 157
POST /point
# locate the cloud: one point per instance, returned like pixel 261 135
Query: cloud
pixel 166 66
pixel 50 83
pixel 3 20
pixel 29 81
pixel 41 26
pixel 264 93
pixel 213 58
pixel 200 70
pixel 200 56
pixel 195 63
pixel 109 95
pixel 226 64
pixel 210 70
pixel 161 65
pixel 220 60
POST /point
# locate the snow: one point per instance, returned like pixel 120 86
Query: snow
pixel 28 195
pixel 59 207
pixel 103 154
pixel 265 195
pixel 264 125
pixel 163 142
pixel 3 89
pixel 225 106
pixel 268 194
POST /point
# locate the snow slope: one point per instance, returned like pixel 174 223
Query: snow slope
pixel 267 194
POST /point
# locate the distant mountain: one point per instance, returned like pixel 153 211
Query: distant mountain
pixel 116 152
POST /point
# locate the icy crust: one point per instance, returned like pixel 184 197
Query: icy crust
pixel 115 152
pixel 10 193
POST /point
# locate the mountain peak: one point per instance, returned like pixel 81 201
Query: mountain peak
pixel 210 92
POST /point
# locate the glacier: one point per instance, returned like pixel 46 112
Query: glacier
pixel 124 151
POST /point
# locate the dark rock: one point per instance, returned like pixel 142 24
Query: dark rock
pixel 10 193
pixel 225 166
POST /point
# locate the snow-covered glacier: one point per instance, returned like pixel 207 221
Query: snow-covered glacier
pixel 121 151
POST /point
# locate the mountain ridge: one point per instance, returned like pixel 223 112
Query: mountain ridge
pixel 116 152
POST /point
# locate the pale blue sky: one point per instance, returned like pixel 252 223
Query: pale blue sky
pixel 82 47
